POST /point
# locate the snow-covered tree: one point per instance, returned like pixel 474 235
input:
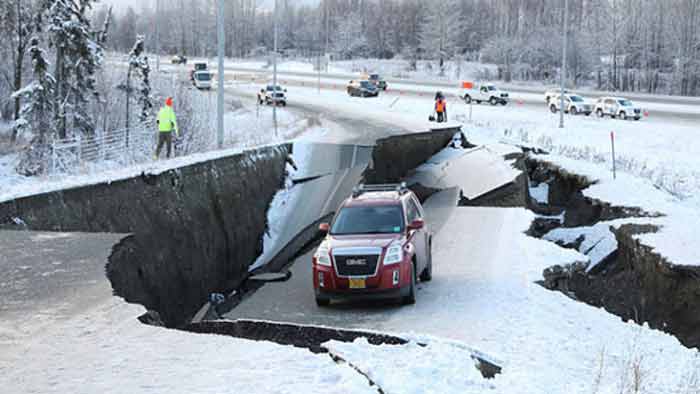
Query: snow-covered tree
pixel 138 64
pixel 349 39
pixel 18 25
pixel 440 30
pixel 37 110
pixel 78 57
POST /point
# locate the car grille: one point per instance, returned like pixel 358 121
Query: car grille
pixel 360 265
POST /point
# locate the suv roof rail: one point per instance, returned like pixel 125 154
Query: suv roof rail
pixel 360 189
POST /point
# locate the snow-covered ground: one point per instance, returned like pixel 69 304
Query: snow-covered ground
pixel 106 350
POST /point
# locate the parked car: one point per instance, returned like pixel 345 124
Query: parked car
pixel 378 81
pixel 486 92
pixel 178 59
pixel 362 88
pixel 377 246
pixel 554 92
pixel 573 104
pixel 198 66
pixel 275 95
pixel 617 107
pixel 202 80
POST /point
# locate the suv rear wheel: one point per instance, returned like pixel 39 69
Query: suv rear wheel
pixel 623 115
pixel 467 99
pixel 553 109
pixel 493 101
pixel 573 111
pixel 600 113
pixel 411 297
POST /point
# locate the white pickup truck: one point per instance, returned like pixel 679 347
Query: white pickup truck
pixel 486 92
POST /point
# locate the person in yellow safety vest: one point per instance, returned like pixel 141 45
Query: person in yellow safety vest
pixel 441 108
pixel 167 124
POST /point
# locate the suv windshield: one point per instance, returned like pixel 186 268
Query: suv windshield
pixel 202 76
pixel 577 99
pixel 374 76
pixel 625 103
pixel 382 219
pixel 366 84
pixel 491 87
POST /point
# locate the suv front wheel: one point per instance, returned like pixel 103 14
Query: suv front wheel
pixel 600 113
pixel 427 273
pixel 410 298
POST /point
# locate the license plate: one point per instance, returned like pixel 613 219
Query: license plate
pixel 357 283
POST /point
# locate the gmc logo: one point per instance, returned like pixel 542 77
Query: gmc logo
pixel 354 262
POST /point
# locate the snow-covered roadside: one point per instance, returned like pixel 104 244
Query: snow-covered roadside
pixel 245 128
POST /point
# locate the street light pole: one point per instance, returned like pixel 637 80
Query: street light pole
pixel 274 71
pixel 220 86
pixel 563 63
pixel 157 37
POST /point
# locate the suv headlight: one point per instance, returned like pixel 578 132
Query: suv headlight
pixel 323 256
pixel 394 254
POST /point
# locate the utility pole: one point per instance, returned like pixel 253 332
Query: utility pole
pixel 563 63
pixel 274 72
pixel 328 25
pixel 220 86
pixel 157 37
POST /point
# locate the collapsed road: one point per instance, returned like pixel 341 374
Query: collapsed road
pixel 483 292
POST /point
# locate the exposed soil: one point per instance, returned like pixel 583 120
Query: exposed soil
pixel 632 282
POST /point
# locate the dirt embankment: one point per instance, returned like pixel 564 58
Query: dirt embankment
pixel 194 230
pixel 633 281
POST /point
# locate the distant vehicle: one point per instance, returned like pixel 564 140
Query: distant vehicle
pixel 362 88
pixel 198 66
pixel 617 107
pixel 486 92
pixel 178 59
pixel 552 93
pixel 573 104
pixel 275 95
pixel 202 80
pixel 377 246
pixel 378 81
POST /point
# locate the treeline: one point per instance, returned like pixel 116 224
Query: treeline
pixel 629 45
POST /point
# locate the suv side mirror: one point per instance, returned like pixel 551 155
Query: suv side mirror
pixel 417 224
pixel 324 228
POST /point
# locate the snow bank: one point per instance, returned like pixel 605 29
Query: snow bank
pixel 411 368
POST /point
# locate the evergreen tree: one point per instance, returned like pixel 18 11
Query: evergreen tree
pixel 78 57
pixel 36 113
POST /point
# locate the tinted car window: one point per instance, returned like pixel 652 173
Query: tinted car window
pixel 369 220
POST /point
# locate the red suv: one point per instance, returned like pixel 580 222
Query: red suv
pixel 376 247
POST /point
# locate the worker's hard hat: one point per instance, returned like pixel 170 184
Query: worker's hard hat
pixel 169 101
